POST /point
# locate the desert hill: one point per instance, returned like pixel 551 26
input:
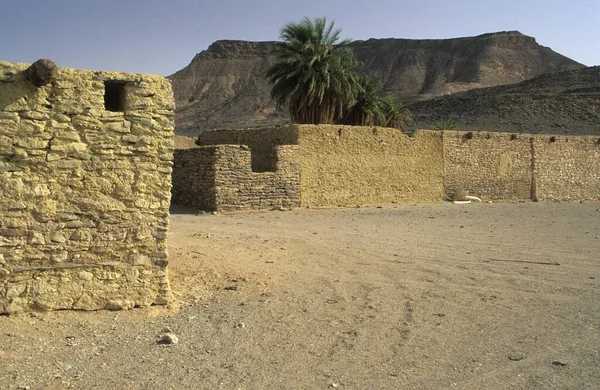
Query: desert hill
pixel 224 86
pixel 556 103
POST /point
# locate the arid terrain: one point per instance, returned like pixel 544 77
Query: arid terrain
pixel 555 103
pixel 224 86
pixel 402 296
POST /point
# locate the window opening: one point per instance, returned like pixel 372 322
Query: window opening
pixel 114 95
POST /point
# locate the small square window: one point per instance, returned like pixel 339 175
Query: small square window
pixel 114 95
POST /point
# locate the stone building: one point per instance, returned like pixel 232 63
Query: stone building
pixel 85 179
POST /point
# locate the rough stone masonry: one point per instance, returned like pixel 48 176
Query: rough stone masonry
pixel 85 179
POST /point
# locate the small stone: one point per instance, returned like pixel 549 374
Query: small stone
pixel 17 206
pixel 58 237
pixel 119 304
pixel 42 72
pixel 233 287
pixel 240 325
pixel 81 235
pixel 168 339
pixel 75 224
pixel 139 259
pixel 559 363
pixel 515 358
pixel 36 238
pixel 130 138
pixel 161 263
pixel 59 257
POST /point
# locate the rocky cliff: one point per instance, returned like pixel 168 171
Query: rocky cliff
pixel 224 86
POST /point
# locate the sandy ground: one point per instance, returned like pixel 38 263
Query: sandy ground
pixel 428 296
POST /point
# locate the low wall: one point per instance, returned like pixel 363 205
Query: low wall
pixel 194 178
pixel 181 142
pixel 84 190
pixel 351 165
pixel 503 166
pixel 493 166
pixel 262 142
pixel 220 178
pixel 566 168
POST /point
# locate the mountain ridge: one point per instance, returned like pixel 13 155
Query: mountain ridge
pixel 224 86
pixel 565 102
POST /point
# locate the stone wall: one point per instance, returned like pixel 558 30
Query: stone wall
pixel 261 141
pixel 181 142
pixel 566 168
pixel 220 178
pixel 194 178
pixel 521 167
pixel 493 166
pixel 85 177
pixel 351 165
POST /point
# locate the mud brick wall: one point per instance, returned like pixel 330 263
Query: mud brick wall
pixel 261 141
pixel 220 178
pixel 351 165
pixel 496 166
pixel 85 184
pixel 567 168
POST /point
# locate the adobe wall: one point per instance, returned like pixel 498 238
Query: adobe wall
pixel 261 141
pixel 220 178
pixel 351 165
pixel 567 169
pixel 84 191
pixel 493 166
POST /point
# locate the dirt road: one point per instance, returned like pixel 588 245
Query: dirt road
pixel 428 296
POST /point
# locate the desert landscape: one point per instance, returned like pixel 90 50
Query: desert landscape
pixel 311 213
pixel 502 81
pixel 397 296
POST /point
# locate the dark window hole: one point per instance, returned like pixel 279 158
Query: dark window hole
pixel 114 95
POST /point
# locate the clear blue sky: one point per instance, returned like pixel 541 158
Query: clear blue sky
pixel 154 36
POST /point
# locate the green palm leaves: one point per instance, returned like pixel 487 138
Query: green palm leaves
pixel 315 74
pixel 315 77
pixel 372 108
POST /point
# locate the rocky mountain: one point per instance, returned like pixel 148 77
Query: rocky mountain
pixel 224 86
pixel 555 103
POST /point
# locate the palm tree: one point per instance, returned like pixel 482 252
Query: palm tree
pixel 372 108
pixel 396 115
pixel 315 73
pixel 368 108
